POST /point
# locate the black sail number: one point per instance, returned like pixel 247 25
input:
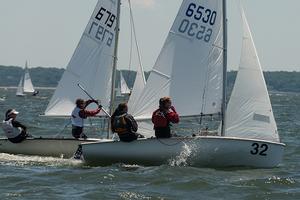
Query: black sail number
pixel 259 149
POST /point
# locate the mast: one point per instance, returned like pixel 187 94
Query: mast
pixel 112 95
pixel 224 68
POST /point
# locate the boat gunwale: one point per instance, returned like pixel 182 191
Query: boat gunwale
pixel 62 138
pixel 193 138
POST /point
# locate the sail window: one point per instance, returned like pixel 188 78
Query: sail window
pixel 261 118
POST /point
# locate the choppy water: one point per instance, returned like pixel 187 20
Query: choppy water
pixel 29 177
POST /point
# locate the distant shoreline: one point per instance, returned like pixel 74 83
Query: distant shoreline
pixel 48 78
pixel 38 88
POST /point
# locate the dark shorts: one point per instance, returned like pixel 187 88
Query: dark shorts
pixel 163 132
pixel 77 132
pixel 23 135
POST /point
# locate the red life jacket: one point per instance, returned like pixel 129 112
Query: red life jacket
pixel 159 119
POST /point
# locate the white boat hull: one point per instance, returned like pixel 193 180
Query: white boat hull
pixel 200 151
pixel 54 147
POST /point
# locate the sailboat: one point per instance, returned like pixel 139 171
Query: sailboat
pixel 25 84
pixel 93 66
pixel 20 90
pixel 194 56
pixel 124 87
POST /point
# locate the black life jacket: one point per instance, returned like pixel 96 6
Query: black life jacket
pixel 120 124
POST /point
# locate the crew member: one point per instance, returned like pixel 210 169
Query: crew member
pixel 163 117
pixel 14 130
pixel 79 114
pixel 124 124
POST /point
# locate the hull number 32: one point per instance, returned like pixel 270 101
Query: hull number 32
pixel 259 149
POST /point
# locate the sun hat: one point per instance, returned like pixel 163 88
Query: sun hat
pixel 11 111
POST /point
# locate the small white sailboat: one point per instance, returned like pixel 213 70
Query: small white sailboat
pixel 20 90
pixel 123 85
pixel 194 56
pixel 25 84
pixel 122 88
pixel 118 91
pixel 93 66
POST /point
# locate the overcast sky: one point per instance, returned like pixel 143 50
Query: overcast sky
pixel 46 32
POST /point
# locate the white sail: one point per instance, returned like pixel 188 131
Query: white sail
pixel 189 67
pixel 118 90
pixel 91 63
pixel 28 87
pixel 124 87
pixel 249 111
pixel 20 88
pixel 138 87
pixel 140 81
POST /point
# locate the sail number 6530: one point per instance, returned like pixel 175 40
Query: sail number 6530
pixel 259 149
pixel 201 13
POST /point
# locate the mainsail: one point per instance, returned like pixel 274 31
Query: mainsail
pixel 190 65
pixel 249 111
pixel 91 63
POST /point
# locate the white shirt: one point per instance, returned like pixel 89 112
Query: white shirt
pixel 76 119
pixel 9 130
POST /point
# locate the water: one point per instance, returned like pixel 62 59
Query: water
pixel 32 177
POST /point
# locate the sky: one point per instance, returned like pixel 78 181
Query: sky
pixel 46 33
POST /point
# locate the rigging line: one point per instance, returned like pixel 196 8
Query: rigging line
pixel 131 44
pixel 136 40
pixel 66 125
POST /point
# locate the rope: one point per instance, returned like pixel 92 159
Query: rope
pixel 133 36
pixel 66 125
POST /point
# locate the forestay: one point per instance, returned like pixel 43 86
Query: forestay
pixel 124 87
pixel 189 66
pixel 249 111
pixel 28 87
pixel 91 63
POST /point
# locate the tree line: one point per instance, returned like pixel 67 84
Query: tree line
pixel 49 77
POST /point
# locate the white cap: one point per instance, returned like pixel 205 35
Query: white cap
pixel 13 111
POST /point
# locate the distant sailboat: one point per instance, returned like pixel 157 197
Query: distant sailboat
pixel 25 84
pixel 20 89
pixel 124 87
pixel 191 68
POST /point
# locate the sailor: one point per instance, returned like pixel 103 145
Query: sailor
pixel 14 130
pixel 163 117
pixel 79 114
pixel 124 124
pixel 36 92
